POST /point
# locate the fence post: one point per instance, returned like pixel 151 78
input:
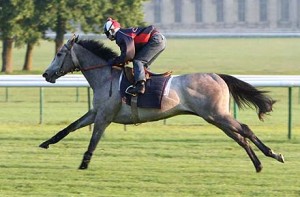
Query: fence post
pixel 290 114
pixel 89 103
pixel 41 104
pixel 235 109
pixel 299 95
pixel 6 94
pixel 77 94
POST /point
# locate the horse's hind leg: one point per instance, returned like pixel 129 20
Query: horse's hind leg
pixel 85 120
pixel 230 126
pixel 244 143
pixel 246 132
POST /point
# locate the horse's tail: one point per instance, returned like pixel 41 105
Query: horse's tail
pixel 245 94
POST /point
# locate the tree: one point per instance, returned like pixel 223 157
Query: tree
pixel 34 29
pixel 12 13
pixel 25 22
pixel 128 12
pixel 91 14
pixel 68 14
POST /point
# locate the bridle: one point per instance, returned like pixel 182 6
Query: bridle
pixel 64 53
pixel 75 61
pixel 76 65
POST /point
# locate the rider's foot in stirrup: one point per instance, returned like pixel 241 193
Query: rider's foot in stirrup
pixel 139 88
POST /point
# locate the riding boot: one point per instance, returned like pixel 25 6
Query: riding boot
pixel 139 88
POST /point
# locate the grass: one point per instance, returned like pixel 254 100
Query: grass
pixel 186 157
pixel 233 56
pixel 173 160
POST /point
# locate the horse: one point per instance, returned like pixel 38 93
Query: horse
pixel 206 95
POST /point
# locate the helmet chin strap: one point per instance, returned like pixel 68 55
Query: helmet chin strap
pixel 111 37
pixel 114 31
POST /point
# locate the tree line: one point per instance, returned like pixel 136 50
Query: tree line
pixel 24 23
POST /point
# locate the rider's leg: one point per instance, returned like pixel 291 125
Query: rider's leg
pixel 152 49
pixel 139 76
pixel 144 58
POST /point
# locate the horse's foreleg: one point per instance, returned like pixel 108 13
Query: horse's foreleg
pixel 85 120
pixel 266 150
pixel 99 128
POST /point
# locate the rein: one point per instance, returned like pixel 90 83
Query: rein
pixel 79 68
pixel 92 67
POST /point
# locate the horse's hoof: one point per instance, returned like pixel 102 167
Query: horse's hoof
pixel 83 167
pixel 258 168
pixel 281 158
pixel 44 145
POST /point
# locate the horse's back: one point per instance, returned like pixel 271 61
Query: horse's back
pixel 201 82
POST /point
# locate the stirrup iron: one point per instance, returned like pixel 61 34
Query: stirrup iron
pixel 126 91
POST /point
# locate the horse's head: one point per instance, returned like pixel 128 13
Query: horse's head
pixel 62 62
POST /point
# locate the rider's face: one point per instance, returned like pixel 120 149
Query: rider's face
pixel 111 37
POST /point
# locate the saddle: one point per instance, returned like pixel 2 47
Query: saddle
pixel 155 86
pixel 130 76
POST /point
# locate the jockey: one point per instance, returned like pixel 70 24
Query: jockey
pixel 141 45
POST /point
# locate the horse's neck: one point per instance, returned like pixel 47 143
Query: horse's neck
pixel 94 69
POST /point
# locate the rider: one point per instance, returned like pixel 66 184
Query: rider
pixel 141 45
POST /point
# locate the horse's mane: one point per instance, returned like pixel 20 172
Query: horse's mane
pixel 98 49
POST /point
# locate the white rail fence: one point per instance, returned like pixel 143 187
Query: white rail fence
pixel 288 81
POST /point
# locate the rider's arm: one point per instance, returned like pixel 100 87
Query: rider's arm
pixel 126 44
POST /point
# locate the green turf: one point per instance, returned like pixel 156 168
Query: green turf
pixel 149 160
pixel 185 157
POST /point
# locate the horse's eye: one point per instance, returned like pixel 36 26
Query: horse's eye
pixel 58 54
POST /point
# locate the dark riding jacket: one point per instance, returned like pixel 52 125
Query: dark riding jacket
pixel 130 41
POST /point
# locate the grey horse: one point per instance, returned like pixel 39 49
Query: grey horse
pixel 206 95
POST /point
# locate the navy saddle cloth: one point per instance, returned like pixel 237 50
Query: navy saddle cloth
pixel 154 92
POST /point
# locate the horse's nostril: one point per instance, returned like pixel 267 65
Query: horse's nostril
pixel 45 75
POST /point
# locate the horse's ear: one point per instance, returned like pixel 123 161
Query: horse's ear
pixel 71 41
pixel 76 38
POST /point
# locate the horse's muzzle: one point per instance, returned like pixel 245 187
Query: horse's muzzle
pixel 45 75
pixel 48 77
